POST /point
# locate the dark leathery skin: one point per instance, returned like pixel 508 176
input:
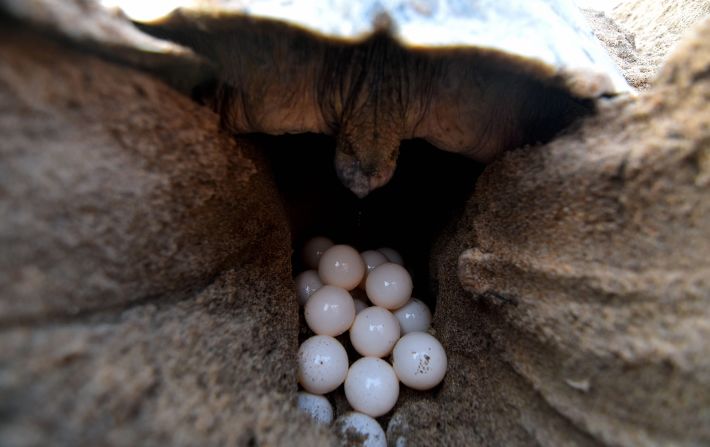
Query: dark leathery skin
pixel 372 95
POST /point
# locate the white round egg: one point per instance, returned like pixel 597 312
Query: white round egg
pixel 361 300
pixel 419 361
pixel 322 364
pixel 306 284
pixel 391 255
pixel 330 311
pixel 318 407
pixel 313 249
pixel 371 386
pixel 389 286
pixel 372 259
pixel 360 429
pixel 360 305
pixel 374 332
pixel 342 266
pixel 414 316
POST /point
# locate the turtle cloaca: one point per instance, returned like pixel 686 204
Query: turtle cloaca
pixel 473 77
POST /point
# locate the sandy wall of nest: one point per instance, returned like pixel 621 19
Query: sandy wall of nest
pixel 145 265
pixel 146 292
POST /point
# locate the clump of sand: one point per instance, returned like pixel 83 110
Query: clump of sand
pixel 639 34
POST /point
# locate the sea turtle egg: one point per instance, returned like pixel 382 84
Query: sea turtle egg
pixel 306 284
pixel 391 255
pixel 414 316
pixel 313 249
pixel 372 259
pixel 330 311
pixel 371 386
pixel 389 286
pixel 318 407
pixel 360 305
pixel 374 332
pixel 361 430
pixel 419 360
pixel 342 266
pixel 322 364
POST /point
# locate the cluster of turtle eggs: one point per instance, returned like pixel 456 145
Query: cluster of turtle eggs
pixel 335 299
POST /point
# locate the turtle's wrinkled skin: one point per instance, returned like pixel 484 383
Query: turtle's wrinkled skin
pixel 374 92
pixel 373 95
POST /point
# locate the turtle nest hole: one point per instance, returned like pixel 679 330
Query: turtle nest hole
pixel 427 191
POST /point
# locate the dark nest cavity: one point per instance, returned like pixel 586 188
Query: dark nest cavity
pixel 427 191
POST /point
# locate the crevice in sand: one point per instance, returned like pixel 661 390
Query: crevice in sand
pixel 428 190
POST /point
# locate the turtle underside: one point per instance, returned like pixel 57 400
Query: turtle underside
pixel 371 95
